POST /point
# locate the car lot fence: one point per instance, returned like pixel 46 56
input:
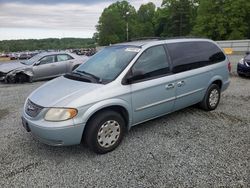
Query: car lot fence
pixel 235 46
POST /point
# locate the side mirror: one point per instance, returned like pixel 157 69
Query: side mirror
pixel 247 53
pixel 136 75
pixel 37 63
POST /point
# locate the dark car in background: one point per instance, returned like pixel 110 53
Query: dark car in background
pixel 243 67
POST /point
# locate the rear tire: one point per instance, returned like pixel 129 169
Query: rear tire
pixel 212 98
pixel 104 131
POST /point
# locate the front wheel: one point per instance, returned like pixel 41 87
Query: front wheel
pixel 21 78
pixel 104 131
pixel 212 98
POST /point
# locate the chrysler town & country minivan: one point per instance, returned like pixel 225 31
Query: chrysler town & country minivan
pixel 124 85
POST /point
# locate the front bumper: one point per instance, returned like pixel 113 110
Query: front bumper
pixel 243 69
pixel 2 76
pixel 51 133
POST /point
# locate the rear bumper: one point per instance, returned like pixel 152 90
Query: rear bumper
pixel 225 85
pixel 55 136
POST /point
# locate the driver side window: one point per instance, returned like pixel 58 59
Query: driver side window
pixel 152 63
pixel 47 59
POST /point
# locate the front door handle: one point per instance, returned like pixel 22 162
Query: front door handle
pixel 181 83
pixel 170 86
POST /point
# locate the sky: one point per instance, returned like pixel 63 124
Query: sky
pixel 36 19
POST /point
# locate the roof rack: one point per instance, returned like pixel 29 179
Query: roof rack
pixel 145 38
pixel 165 38
pixel 182 37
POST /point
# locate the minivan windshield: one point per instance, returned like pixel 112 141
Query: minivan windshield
pixel 108 63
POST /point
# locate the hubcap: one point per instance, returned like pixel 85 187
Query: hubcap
pixel 213 98
pixel 109 133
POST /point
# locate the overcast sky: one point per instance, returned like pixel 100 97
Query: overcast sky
pixel 25 19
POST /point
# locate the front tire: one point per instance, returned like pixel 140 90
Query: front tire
pixel 241 75
pixel 21 78
pixel 104 131
pixel 212 98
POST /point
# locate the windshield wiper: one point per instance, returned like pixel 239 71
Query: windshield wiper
pixel 99 80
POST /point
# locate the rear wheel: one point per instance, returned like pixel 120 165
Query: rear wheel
pixel 104 131
pixel 212 98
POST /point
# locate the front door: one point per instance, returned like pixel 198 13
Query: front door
pixel 45 68
pixel 153 93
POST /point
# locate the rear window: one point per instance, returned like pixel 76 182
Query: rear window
pixel 191 55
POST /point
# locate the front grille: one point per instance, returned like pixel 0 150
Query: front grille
pixel 32 109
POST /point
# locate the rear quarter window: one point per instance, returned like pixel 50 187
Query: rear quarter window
pixel 191 55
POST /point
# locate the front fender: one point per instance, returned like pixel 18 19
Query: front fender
pixel 13 73
pixel 108 103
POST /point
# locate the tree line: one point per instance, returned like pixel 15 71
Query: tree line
pixel 45 44
pixel 214 19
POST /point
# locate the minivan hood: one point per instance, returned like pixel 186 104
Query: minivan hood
pixel 7 67
pixel 61 91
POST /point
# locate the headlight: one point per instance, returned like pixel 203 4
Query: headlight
pixel 60 114
pixel 242 61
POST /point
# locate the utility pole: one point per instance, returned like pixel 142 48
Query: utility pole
pixel 127 14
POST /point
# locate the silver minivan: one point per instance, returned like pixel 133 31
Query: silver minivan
pixel 124 85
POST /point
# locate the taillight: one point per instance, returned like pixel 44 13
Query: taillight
pixel 229 66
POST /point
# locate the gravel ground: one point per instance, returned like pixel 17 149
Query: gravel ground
pixel 188 148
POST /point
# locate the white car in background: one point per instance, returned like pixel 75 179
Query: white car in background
pixel 41 66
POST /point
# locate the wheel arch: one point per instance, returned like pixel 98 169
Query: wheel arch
pixel 216 80
pixel 12 76
pixel 117 105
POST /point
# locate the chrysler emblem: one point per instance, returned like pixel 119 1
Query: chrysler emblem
pixel 30 108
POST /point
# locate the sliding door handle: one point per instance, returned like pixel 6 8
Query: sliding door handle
pixel 170 86
pixel 181 83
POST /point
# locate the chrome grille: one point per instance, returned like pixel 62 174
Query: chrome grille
pixel 32 109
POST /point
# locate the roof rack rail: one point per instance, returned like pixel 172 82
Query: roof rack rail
pixel 145 38
pixel 166 38
pixel 182 37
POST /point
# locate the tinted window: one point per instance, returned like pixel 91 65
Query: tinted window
pixel 153 62
pixel 63 57
pixel 192 55
pixel 47 59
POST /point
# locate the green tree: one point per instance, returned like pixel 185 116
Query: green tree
pixel 146 20
pixel 45 44
pixel 175 18
pixel 112 23
pixel 223 19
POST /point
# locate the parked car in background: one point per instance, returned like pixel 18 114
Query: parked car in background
pixel 24 56
pixel 243 67
pixel 41 66
pixel 124 85
pixel 14 56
